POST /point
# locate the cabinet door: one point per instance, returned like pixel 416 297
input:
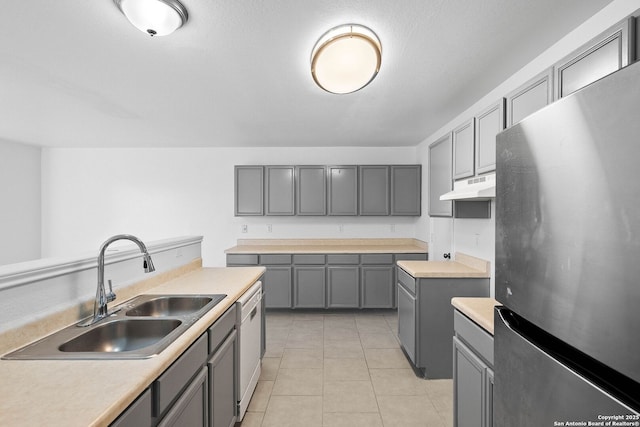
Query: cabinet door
pixel 343 190
pixel 469 388
pixel 377 286
pixel 191 409
pixel 311 190
pixel 248 190
pixel 488 404
pixel 407 321
pixel 488 124
pixel 530 97
pixel 279 190
pixel 373 196
pixel 222 389
pixel 138 414
pixel 308 287
pixel 276 283
pixel 602 56
pixel 342 287
pixel 463 150
pixel 440 169
pixel 406 190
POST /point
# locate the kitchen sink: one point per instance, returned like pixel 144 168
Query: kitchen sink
pixel 137 329
pixel 168 305
pixel 121 335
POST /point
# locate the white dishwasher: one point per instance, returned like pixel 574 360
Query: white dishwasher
pixel 249 327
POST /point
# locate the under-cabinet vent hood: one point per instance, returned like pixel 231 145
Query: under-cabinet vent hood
pixel 477 188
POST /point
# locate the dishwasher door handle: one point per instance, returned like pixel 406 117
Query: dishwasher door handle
pixel 254 312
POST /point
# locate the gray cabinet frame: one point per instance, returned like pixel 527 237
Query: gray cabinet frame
pixel 489 123
pixel 342 185
pixel 309 286
pixel 464 150
pixel 222 384
pixel 311 190
pixel 373 190
pixel 377 286
pixel 279 190
pixel 343 290
pixel 406 190
pixel 581 63
pixel 440 176
pixel 248 190
pixel 530 97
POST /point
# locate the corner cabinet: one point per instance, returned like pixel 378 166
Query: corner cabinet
pixel 472 374
pixel 440 176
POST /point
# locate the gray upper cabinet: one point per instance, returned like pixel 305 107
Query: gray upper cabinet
pixel 406 190
pixel 463 150
pixel 373 197
pixel 311 190
pixel 530 97
pixel 279 190
pixel 440 169
pixel 488 124
pixel 603 55
pixel 343 190
pixel 248 190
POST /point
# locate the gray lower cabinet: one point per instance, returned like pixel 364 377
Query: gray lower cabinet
pixel 377 286
pixel 277 286
pixel 309 286
pixel 137 414
pixel 191 408
pixel 425 319
pixel 343 287
pixel 248 190
pixel 222 387
pixel 530 97
pixel 609 52
pixel 373 192
pixel 342 185
pixel 463 150
pixel 440 176
pixel 406 190
pixel 311 190
pixel 279 190
pixel 472 374
pixel 488 124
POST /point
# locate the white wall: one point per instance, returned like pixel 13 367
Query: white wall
pixel 90 194
pixel 476 237
pixel 19 202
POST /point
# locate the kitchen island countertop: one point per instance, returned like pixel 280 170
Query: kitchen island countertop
pixel 94 392
pixel 462 267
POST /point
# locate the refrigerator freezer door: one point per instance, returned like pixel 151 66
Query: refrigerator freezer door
pixel 568 220
pixel 534 389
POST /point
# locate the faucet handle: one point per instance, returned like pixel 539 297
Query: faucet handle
pixel 110 296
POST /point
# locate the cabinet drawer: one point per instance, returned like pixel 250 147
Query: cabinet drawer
pixel 410 257
pixel 407 280
pixel 168 385
pixel 377 259
pixel 474 336
pixel 242 259
pixel 275 259
pixel 343 259
pixel 308 259
pixel 221 329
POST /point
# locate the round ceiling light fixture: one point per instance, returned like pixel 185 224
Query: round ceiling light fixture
pixel 346 58
pixel 154 17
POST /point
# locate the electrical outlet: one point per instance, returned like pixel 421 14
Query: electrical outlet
pixel 269 228
pixel 244 228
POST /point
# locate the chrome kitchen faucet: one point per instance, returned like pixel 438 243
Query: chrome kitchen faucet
pixel 100 310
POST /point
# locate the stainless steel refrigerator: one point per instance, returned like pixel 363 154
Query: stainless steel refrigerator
pixel 567 341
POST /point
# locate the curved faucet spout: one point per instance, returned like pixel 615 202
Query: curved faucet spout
pixel 100 309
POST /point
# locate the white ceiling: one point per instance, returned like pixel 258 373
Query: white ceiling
pixel 77 73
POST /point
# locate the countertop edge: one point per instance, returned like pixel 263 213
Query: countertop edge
pixel 479 310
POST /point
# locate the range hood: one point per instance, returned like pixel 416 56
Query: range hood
pixel 477 188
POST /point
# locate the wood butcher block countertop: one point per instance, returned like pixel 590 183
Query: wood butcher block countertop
pixel 480 310
pixel 462 266
pixel 94 392
pixel 326 246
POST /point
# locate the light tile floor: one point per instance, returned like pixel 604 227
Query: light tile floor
pixel 337 368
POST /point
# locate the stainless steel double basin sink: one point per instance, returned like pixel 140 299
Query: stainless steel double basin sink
pixel 138 329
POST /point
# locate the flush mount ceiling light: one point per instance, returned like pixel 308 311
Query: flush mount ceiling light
pixel 346 58
pixel 154 17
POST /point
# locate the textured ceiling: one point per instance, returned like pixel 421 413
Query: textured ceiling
pixel 77 74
